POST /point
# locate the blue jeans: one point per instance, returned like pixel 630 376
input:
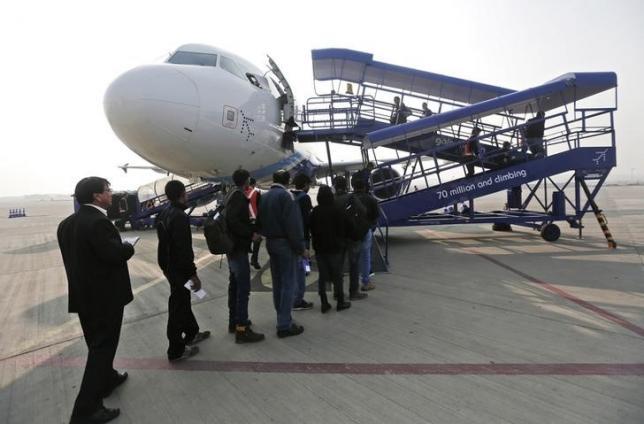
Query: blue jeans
pixel 238 288
pixel 300 282
pixel 283 269
pixel 365 257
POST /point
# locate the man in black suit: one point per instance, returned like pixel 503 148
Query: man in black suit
pixel 95 261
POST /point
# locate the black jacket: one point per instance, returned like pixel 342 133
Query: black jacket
pixel 327 229
pixel 240 227
pixel 174 253
pixel 95 261
pixel 371 204
pixel 535 129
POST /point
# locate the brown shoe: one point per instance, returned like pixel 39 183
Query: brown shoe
pixel 368 286
pixel 244 334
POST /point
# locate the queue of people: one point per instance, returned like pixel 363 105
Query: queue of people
pixel 95 256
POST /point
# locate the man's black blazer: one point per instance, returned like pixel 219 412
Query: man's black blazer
pixel 95 261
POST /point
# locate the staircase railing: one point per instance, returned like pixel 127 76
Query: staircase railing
pixel 562 136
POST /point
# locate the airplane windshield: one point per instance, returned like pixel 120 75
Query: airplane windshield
pixel 232 67
pixel 191 58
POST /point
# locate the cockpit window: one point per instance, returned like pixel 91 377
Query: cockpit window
pixel 191 58
pixel 230 66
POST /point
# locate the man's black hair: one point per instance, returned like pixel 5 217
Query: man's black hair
pixel 174 189
pixel 340 183
pixel 358 184
pixel 87 187
pixel 281 176
pixel 240 177
pixel 300 180
pixel 325 196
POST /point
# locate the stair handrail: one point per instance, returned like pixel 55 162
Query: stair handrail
pixel 551 141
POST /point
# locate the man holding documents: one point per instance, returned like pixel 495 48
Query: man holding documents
pixel 95 261
pixel 176 259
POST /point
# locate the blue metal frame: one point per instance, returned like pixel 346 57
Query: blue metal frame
pixel 361 119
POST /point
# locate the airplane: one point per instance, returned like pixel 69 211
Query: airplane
pixel 206 112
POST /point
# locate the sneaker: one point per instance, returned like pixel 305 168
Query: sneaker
pixel 199 337
pixel 244 334
pixel 303 305
pixel 325 307
pixel 368 286
pixel 358 296
pixel 371 274
pixel 293 330
pixel 187 353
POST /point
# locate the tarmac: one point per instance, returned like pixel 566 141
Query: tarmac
pixel 468 326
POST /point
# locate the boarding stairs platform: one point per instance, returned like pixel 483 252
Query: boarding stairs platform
pixel 578 142
pixel 344 115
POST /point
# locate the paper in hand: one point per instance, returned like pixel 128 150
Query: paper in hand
pixel 131 240
pixel 201 293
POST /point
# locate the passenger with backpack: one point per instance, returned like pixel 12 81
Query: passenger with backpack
pixel 302 183
pixel 356 226
pixel 241 231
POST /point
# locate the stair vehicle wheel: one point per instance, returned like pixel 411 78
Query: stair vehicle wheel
pixel 501 226
pixel 550 232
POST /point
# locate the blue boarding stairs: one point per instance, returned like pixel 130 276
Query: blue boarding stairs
pixel 426 182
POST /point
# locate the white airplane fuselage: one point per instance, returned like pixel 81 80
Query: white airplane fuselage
pixel 201 120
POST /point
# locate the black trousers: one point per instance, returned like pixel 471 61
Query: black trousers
pixel 330 269
pixel 182 324
pixel 102 332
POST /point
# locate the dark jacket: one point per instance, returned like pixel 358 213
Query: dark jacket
pixel 327 229
pixel 371 205
pixel 280 218
pixel 95 261
pixel 342 199
pixel 304 202
pixel 174 254
pixel 534 129
pixel 240 226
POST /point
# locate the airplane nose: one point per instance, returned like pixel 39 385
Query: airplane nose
pixel 151 107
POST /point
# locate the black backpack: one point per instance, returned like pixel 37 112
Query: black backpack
pixel 216 232
pixel 356 216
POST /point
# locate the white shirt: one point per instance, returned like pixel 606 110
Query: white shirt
pixel 103 211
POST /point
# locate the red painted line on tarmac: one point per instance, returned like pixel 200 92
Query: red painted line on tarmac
pixel 564 294
pixel 161 364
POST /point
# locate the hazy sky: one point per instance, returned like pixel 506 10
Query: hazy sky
pixel 59 57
